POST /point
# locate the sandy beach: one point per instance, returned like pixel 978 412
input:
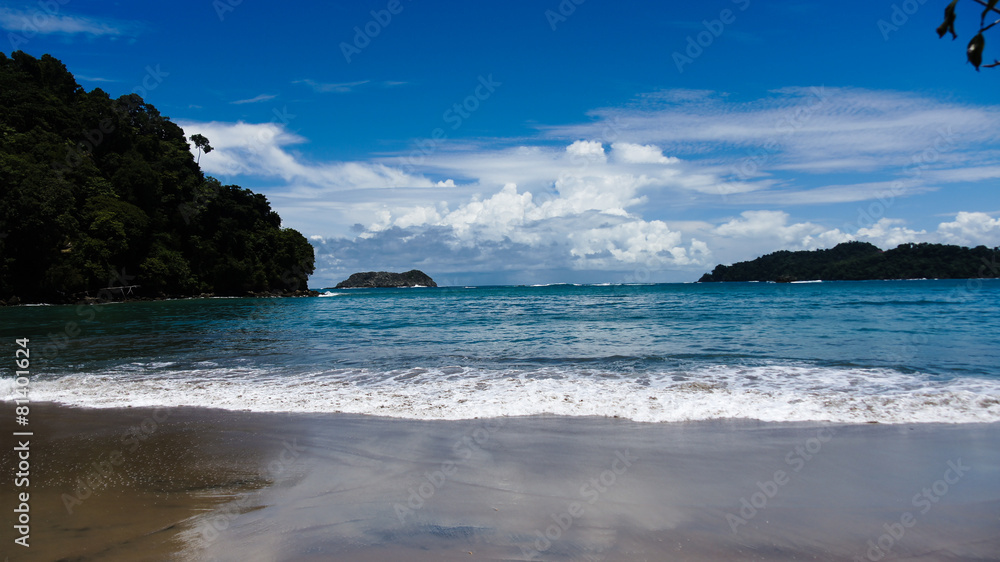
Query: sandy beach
pixel 199 484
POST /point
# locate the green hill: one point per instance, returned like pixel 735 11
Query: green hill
pixel 854 261
pixel 98 192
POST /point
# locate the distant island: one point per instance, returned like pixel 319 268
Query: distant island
pixel 858 261
pixel 385 279
pixel 102 199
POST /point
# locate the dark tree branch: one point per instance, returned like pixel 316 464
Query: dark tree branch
pixel 985 5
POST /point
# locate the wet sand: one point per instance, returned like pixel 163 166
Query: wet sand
pixel 197 484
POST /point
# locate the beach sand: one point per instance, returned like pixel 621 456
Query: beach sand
pixel 197 484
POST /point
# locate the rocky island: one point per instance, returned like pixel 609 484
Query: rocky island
pixel 385 279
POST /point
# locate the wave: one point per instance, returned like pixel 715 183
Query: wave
pixel 918 302
pixel 766 393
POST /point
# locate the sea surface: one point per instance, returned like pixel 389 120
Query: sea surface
pixel 876 351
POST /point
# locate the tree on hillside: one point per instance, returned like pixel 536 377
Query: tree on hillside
pixel 974 51
pixel 201 143
pixel 96 191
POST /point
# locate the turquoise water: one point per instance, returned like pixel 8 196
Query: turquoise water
pixel 888 351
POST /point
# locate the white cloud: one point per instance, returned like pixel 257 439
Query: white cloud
pixel 255 99
pixel 864 191
pixel 628 242
pixel 586 152
pixel 971 229
pixel 93 78
pixel 340 88
pixel 613 194
pixel 44 22
pixel 492 219
pixel 813 130
pixel 259 149
pixel 965 174
pixel 968 229
pixel 763 225
pixel 630 153
pixel 759 232
pixel 346 87
pixel 889 233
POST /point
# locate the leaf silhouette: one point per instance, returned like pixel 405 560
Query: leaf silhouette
pixel 949 22
pixel 975 50
pixel 989 6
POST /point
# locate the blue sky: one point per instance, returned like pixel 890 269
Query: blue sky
pixel 563 141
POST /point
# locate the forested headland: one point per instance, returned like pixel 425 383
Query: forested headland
pixel 856 261
pixel 99 192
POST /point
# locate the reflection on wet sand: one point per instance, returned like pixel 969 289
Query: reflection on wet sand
pixel 215 485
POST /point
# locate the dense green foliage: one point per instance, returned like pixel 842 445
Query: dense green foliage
pixel 853 261
pixel 98 192
pixel 412 278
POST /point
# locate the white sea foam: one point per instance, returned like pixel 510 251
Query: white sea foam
pixel 771 393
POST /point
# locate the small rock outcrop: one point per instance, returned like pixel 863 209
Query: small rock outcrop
pixel 385 279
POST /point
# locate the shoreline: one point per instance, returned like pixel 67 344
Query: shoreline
pixel 202 484
pixel 87 300
pixel 91 301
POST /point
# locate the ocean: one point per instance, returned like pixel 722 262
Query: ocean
pixel 850 352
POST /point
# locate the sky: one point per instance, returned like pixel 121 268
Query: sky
pixel 547 141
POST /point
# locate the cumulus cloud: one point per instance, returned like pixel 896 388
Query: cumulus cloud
pixel 762 224
pixel 630 153
pixel 755 233
pixel 969 229
pixel 587 151
pixel 628 241
pixel 601 196
pixel 889 233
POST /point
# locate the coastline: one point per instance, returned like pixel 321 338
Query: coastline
pixel 202 484
pixel 88 300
